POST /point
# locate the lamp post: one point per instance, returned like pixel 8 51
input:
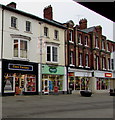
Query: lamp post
pixel 40 70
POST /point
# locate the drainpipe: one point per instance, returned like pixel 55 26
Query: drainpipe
pixel 2 50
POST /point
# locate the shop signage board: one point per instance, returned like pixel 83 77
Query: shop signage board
pixel 20 67
pixel 108 74
pixel 54 70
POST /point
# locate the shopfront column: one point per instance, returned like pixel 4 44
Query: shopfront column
pixel 92 85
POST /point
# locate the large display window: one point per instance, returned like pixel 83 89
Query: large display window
pixel 103 84
pixel 18 83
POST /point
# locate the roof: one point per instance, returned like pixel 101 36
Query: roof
pixel 51 22
pixel 90 29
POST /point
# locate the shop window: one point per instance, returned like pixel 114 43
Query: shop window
pixel 52 54
pixel 20 48
pixel 102 84
pixel 14 22
pixel 9 83
pixel 30 83
pixel 28 26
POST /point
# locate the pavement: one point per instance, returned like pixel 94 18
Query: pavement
pixel 58 106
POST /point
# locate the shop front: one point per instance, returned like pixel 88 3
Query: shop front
pixel 53 79
pixel 79 80
pixel 103 81
pixel 19 77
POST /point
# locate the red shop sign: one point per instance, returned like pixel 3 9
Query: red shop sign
pixel 108 74
pixel 71 74
pixel 56 89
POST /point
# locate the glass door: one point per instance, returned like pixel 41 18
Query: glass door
pixel 46 86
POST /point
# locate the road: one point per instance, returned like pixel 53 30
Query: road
pixel 58 106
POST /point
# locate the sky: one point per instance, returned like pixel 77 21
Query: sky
pixel 65 10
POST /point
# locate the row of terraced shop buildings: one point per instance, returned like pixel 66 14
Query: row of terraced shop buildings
pixel 44 56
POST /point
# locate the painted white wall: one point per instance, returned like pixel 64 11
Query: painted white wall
pixel 8 40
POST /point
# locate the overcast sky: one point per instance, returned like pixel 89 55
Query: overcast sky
pixel 65 10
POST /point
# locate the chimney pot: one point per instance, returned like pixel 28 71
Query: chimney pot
pixel 12 4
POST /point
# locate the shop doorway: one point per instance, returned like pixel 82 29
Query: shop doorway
pixel 46 86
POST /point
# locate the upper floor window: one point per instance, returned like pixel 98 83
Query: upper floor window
pixel 96 42
pixel 14 22
pixel 86 40
pixel 109 64
pixel 52 54
pixel 79 39
pixel 107 46
pixel 46 31
pixel 112 49
pixel 71 35
pixel 87 60
pixel 103 63
pixel 28 26
pixel 20 48
pixel 112 64
pixel 103 45
pixel 80 59
pixel 71 57
pixel 56 34
pixel 97 62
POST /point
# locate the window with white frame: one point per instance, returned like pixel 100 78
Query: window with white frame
pixel 103 45
pixel 56 34
pixel 70 35
pixel 79 39
pixel 52 54
pixel 96 42
pixel 103 63
pixel 86 40
pixel 112 64
pixel 71 57
pixel 13 22
pixel 80 59
pixel 87 60
pixel 20 48
pixel 97 62
pixel 45 31
pixel 28 26
pixel 109 64
pixel 107 46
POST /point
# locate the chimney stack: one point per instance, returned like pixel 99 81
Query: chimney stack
pixel 83 24
pixel 48 14
pixel 12 4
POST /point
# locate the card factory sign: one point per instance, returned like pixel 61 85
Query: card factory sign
pixel 20 67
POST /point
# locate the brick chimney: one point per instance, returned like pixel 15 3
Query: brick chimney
pixel 99 30
pixel 48 14
pixel 83 24
pixel 12 4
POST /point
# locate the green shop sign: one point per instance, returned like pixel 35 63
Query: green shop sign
pixel 55 70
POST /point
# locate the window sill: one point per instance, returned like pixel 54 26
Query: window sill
pixel 22 59
pixel 48 62
pixel 71 42
pixel 80 66
pixel 29 32
pixel 47 37
pixel 72 65
pixel 80 44
pixel 13 28
pixel 87 67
